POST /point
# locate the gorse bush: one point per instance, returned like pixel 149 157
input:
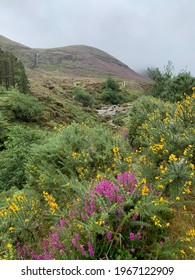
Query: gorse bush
pixel 20 106
pixel 76 151
pixel 139 113
pixel 166 151
pixel 15 154
pixel 25 107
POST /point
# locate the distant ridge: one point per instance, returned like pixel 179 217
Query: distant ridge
pixel 76 60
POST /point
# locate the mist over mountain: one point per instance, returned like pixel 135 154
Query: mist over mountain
pixel 76 60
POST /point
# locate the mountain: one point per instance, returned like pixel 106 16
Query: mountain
pixel 74 61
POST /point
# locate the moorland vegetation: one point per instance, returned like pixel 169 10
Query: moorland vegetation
pixel 74 187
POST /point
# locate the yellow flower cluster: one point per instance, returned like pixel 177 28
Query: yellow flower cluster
pixel 160 200
pixel 187 149
pixel 191 232
pixel 156 221
pixel 3 213
pixel 186 191
pixel 17 203
pixel 14 207
pixel 145 191
pixel 128 159
pixel 50 201
pixel 172 157
pixel 100 222
pixel 74 154
pixel 163 169
pixel 156 147
pixel 189 239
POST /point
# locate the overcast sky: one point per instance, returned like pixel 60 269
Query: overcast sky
pixel 140 33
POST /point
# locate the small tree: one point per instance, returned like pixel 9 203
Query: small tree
pixel 178 86
pixel 111 93
pixel 170 87
pixel 83 97
pixel 112 84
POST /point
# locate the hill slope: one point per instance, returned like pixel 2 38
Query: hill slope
pixel 78 60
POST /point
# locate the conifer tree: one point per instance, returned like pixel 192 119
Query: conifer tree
pixel 12 72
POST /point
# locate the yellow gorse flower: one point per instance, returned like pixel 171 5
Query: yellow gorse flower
pixel 182 252
pixel 74 154
pixel 145 191
pixel 100 222
pixel 50 201
pixel 157 147
pixel 9 246
pixel 99 176
pixel 172 157
pixel 192 166
pixel 3 213
pixel 191 232
pixel 156 221
pixel 115 150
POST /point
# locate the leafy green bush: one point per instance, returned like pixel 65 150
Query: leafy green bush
pixel 111 92
pixel 25 107
pixel 83 97
pixel 15 154
pixel 111 83
pixel 169 87
pixel 178 87
pixel 110 96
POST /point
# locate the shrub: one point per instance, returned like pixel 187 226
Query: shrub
pixel 110 96
pixel 25 107
pixel 107 220
pixel 169 87
pixel 178 87
pixel 83 97
pixel 166 150
pixel 111 93
pixel 112 84
pixel 15 155
pixel 77 151
pixel 139 113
